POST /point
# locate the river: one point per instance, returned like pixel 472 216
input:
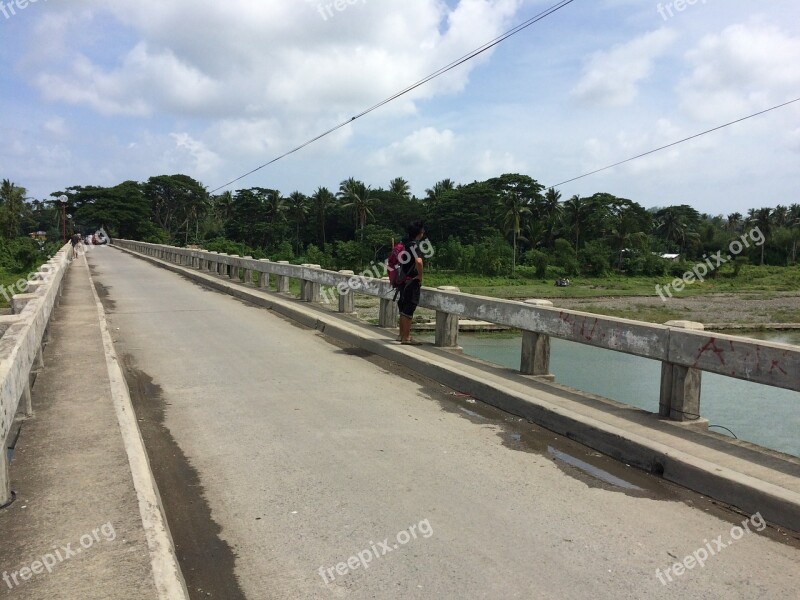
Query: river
pixel 757 413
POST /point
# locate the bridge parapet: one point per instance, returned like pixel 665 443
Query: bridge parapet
pixel 21 337
pixel 684 350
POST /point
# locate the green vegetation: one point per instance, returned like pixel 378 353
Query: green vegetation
pixel 524 284
pixel 19 256
pixel 506 236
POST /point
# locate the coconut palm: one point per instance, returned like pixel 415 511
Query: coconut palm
pixel 794 226
pixel 440 188
pixel 734 222
pixel 516 210
pixel 400 187
pixel 576 214
pixel 297 212
pixel 551 213
pixel 322 198
pixel 358 197
pixel 780 216
pixel 12 198
pixel 224 206
pixel 762 218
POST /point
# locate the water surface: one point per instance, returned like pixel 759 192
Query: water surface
pixel 757 413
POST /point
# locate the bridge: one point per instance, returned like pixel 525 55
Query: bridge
pixel 185 427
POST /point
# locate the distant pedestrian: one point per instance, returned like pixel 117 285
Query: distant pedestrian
pixel 405 274
pixel 75 240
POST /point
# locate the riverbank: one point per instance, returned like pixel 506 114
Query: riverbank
pixel 773 311
pixel 753 311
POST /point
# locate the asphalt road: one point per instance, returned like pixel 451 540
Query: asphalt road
pixel 280 455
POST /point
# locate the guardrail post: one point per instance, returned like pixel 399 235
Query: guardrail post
pixel 283 280
pixel 680 386
pixel 19 301
pixel 535 359
pixel 26 401
pixel 5 482
pixel 446 324
pixel 248 272
pixel 263 276
pixel 233 271
pixel 222 265
pixel 347 300
pixel 310 290
pixel 389 312
pixel 305 287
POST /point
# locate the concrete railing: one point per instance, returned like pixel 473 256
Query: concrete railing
pixel 683 348
pixel 23 334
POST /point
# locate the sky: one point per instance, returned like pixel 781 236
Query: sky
pixel 97 92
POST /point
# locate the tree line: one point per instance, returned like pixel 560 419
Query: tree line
pixel 501 226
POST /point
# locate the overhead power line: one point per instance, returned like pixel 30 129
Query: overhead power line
pixel 692 137
pixel 467 57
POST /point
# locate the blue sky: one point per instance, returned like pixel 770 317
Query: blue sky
pixel 96 94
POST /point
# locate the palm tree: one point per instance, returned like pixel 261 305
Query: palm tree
pixel 322 199
pixel 275 205
pixel 673 228
pixel 400 187
pixel 297 212
pixel 576 211
pixel 626 232
pixel 434 195
pixel 516 210
pixel 224 206
pixel 780 216
pixel 734 222
pixel 197 209
pixel 551 213
pixel 12 198
pixel 762 218
pixel 794 226
pixel 358 197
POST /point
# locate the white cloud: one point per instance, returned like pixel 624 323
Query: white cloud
pixel 611 78
pixel 743 69
pixel 204 159
pixel 262 59
pixel 423 146
pixel 492 164
pixel 56 126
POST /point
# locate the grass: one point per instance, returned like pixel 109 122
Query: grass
pixel 641 312
pixel 8 285
pixel 764 281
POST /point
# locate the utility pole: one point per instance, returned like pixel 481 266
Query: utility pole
pixel 62 204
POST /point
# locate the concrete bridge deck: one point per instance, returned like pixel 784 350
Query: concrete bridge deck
pixel 281 454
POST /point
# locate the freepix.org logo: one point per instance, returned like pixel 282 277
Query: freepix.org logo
pixel 327 9
pixel 10 8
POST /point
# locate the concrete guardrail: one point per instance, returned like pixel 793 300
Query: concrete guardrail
pixel 683 348
pixel 22 336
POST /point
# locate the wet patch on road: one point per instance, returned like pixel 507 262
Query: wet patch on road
pixel 207 562
pixel 572 458
pixel 103 293
pixel 580 462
